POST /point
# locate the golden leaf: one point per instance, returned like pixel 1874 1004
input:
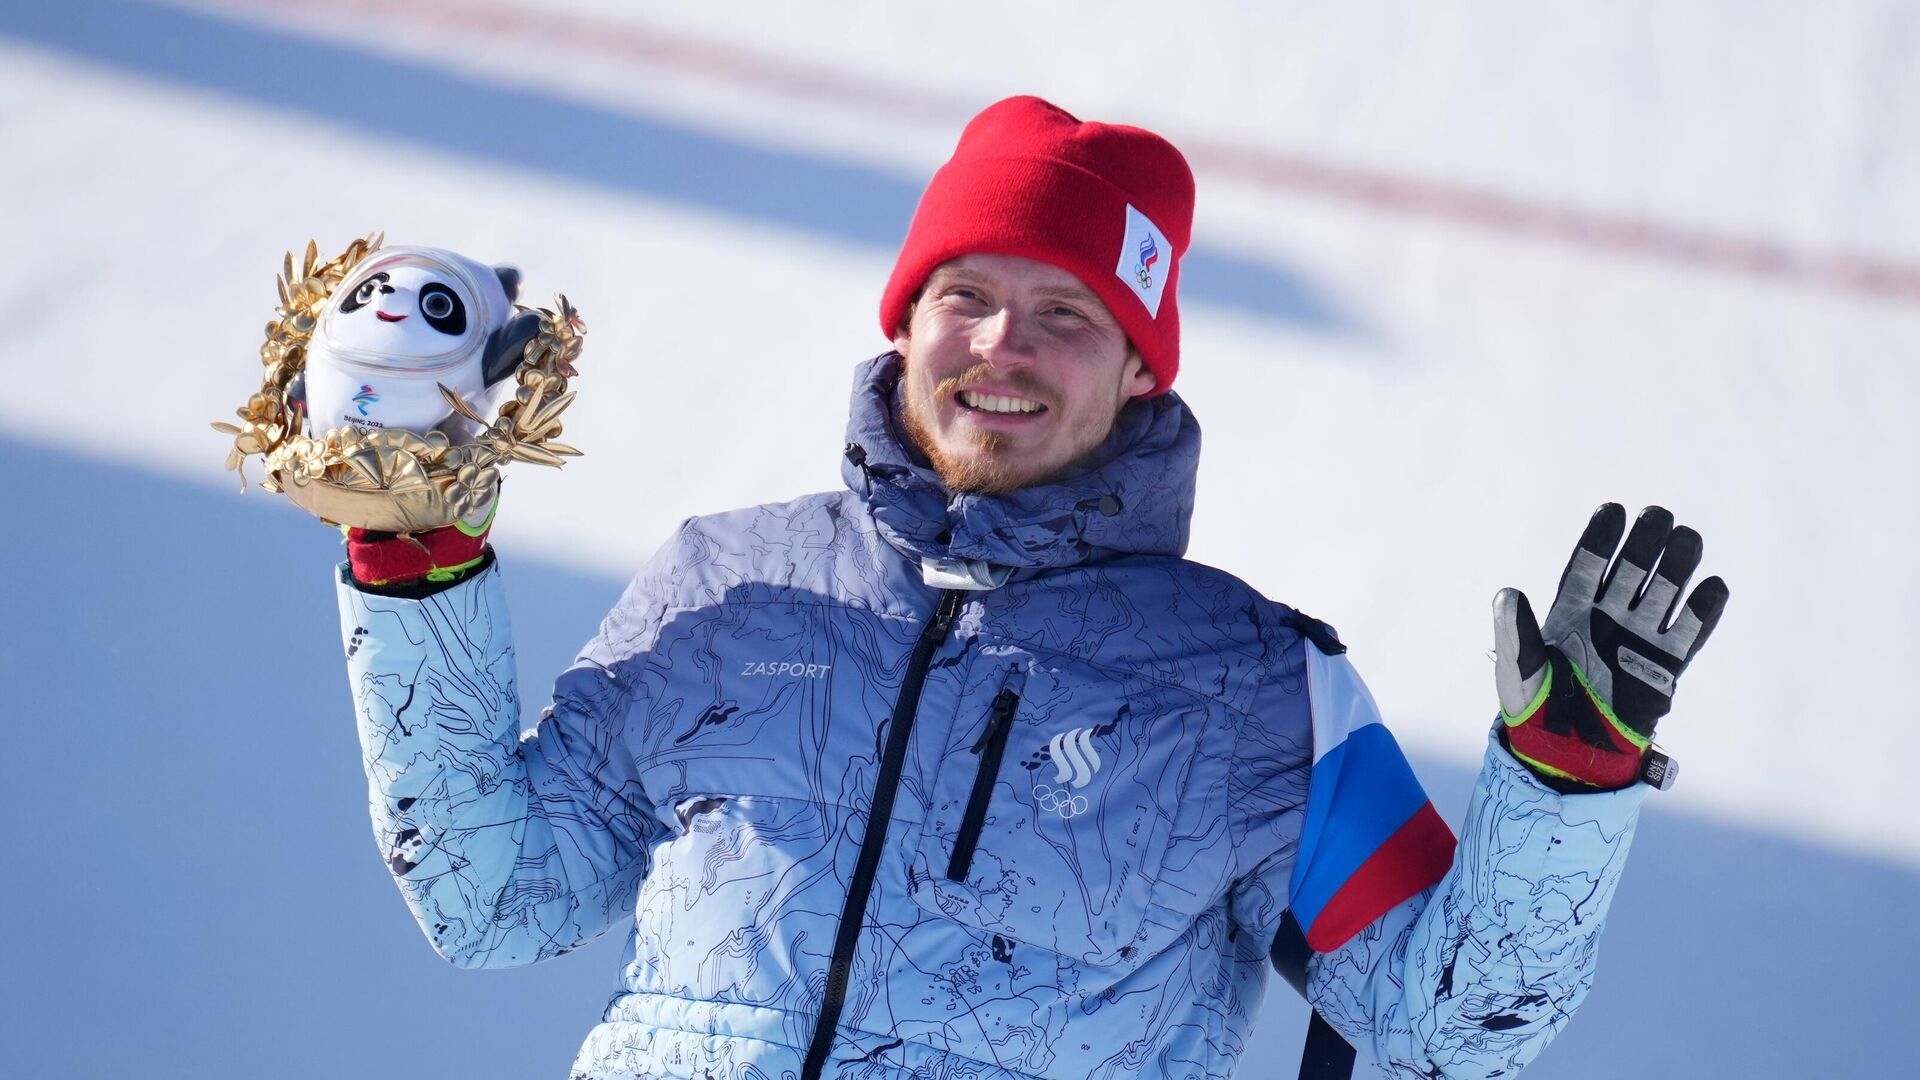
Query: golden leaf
pixel 460 404
pixel 554 408
pixel 530 452
pixel 367 468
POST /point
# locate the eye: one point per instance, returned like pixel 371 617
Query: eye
pixel 443 309
pixel 365 293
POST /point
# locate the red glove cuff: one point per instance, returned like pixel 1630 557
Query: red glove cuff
pixel 384 558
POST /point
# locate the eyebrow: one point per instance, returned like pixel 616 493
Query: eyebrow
pixel 1071 292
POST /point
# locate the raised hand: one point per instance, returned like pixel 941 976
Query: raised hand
pixel 1580 698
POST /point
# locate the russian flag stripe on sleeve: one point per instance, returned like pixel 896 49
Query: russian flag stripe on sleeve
pixel 1371 838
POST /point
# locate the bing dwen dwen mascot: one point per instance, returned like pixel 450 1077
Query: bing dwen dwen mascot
pixel 381 369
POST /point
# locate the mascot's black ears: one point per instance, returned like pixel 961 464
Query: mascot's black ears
pixel 507 344
pixel 510 281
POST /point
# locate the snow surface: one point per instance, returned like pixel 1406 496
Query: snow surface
pixel 1411 399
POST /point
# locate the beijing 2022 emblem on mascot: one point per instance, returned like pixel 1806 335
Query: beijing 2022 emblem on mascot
pixel 379 367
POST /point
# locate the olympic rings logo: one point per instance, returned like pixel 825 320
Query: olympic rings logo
pixel 1060 800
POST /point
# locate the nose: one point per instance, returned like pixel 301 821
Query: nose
pixel 1003 341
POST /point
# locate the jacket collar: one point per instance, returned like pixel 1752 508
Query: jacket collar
pixel 1133 497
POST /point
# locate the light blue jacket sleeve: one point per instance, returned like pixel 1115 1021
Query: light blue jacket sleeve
pixel 1474 977
pixel 508 847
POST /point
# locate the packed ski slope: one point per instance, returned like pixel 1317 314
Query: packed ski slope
pixel 1461 272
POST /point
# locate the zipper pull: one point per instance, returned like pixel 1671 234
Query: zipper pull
pixel 943 615
pixel 1001 715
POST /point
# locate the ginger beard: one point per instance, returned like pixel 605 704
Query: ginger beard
pixel 976 460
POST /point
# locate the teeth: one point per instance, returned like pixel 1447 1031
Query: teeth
pixel 997 404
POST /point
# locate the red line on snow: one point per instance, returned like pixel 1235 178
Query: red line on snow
pixel 1386 192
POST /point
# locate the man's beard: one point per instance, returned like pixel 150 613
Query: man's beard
pixel 980 472
pixel 986 470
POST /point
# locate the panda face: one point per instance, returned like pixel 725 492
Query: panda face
pixel 436 301
pixel 408 313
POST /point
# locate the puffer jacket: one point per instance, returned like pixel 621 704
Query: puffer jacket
pixel 868 826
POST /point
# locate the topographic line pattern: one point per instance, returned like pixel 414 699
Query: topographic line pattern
pixel 497 871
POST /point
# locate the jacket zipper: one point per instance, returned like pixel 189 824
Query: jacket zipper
pixel 879 816
pixel 991 746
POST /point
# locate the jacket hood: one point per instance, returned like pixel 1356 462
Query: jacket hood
pixel 1133 496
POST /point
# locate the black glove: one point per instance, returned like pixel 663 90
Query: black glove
pixel 1580 699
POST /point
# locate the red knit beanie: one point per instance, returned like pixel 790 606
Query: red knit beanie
pixel 1112 204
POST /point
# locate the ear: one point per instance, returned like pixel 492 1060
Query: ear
pixel 506 345
pixel 510 281
pixel 1137 379
pixel 903 333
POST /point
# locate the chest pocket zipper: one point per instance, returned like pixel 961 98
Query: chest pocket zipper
pixel 991 746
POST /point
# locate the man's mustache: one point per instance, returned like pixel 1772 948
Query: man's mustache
pixel 1019 382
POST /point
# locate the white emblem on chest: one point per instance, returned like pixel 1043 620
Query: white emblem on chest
pixel 1075 761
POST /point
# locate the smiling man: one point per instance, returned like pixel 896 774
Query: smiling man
pixel 965 770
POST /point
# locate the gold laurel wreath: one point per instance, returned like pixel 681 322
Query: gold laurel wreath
pixel 391 479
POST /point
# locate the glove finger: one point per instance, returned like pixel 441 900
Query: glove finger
pixel 1520 656
pixel 1697 620
pixel 1581 578
pixel 1637 557
pixel 1677 563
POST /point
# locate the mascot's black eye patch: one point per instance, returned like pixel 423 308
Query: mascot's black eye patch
pixel 364 293
pixel 443 309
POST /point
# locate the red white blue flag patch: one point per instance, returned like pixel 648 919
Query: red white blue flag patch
pixel 1372 837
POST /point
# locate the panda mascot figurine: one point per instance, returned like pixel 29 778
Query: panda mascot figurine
pixel 407 321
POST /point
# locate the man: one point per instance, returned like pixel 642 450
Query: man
pixel 964 770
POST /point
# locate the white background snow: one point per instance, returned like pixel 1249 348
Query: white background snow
pixel 1461 272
